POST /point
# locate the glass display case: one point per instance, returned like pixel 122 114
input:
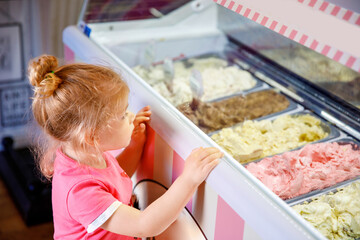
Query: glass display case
pixel 216 78
pixel 324 80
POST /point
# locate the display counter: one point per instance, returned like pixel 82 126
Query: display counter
pixel 171 49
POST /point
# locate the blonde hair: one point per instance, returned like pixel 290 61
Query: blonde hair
pixel 72 103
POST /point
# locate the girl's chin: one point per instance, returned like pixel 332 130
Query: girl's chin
pixel 128 143
pixel 119 147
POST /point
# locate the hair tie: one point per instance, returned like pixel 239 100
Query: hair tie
pixel 48 85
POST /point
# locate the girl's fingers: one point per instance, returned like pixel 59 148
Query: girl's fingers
pixel 201 153
pixel 144 109
pixel 137 117
pixel 209 167
pixel 212 157
pixel 196 149
pixel 141 119
pixel 140 128
pixel 147 113
pixel 207 152
pixel 143 116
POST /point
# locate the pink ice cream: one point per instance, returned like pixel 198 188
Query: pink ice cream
pixel 315 166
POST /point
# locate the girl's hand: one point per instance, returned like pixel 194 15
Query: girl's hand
pixel 200 163
pixel 153 220
pixel 142 117
pixel 138 137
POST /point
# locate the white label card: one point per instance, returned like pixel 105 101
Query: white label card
pixel 196 84
pixel 168 67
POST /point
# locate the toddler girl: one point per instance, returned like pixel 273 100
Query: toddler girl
pixel 82 109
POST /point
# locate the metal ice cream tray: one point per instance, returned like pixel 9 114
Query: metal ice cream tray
pixel 292 108
pixel 333 190
pixel 307 198
pixel 333 133
pixel 258 86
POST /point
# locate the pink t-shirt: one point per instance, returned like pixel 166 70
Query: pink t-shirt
pixel 83 198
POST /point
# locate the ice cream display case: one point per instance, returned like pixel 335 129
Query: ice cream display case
pixel 286 117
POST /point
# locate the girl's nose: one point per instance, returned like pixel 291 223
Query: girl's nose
pixel 131 117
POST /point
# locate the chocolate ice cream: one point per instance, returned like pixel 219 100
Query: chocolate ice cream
pixel 212 116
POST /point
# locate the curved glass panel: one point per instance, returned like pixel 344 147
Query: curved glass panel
pixel 324 72
pixel 125 10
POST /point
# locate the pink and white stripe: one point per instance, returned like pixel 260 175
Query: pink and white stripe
pixel 334 10
pixel 302 38
pixel 216 218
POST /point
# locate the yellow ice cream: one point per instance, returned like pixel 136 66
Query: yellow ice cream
pixel 336 216
pixel 256 139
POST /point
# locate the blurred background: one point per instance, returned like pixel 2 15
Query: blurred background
pixel 28 28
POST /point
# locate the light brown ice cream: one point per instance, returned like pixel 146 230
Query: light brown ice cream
pixel 213 116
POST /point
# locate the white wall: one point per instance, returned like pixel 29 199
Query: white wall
pixel 42 23
pixel 49 18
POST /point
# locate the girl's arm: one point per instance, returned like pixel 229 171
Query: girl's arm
pixel 161 213
pixel 130 157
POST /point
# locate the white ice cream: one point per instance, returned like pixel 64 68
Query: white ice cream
pixel 218 79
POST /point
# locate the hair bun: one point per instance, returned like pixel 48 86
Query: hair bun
pixel 41 75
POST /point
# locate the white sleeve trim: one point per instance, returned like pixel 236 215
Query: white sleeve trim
pixel 100 220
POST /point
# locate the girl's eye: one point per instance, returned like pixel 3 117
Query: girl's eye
pixel 125 115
